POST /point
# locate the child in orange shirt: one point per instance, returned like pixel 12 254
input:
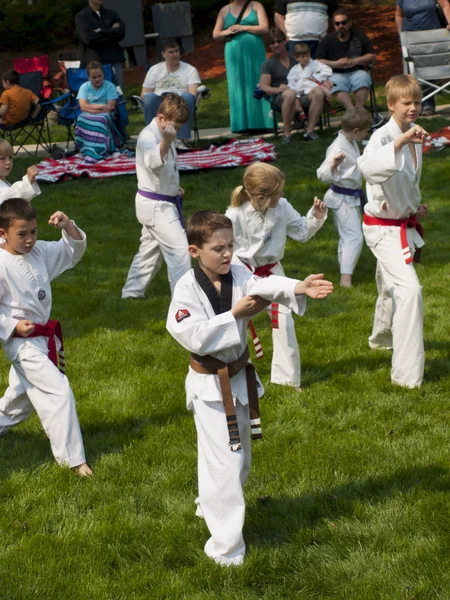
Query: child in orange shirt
pixel 16 101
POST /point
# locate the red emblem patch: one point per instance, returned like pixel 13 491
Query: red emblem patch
pixel 183 313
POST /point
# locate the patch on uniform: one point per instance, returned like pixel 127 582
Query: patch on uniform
pixel 41 294
pixel 267 237
pixel 183 313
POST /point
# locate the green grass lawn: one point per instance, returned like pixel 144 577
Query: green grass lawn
pixel 348 497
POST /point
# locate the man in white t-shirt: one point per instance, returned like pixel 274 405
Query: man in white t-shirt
pixel 170 77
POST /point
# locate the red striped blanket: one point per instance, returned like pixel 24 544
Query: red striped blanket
pixel 437 141
pixel 235 153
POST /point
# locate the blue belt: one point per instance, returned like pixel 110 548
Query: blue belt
pixel 358 193
pixel 177 200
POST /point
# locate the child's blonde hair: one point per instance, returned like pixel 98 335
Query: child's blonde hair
pixel 262 183
pixel 301 50
pixel 356 117
pixel 6 150
pixel 174 108
pixel 402 86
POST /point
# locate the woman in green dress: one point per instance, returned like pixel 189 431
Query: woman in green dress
pixel 244 55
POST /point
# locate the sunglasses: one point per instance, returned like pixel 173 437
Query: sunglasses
pixel 337 23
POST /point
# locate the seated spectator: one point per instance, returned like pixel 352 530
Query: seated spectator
pixel 305 22
pixel 310 79
pixel 273 80
pixel 170 77
pixel 96 133
pixel 349 53
pixel 16 102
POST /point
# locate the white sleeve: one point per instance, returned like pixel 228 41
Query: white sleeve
pixel 193 76
pixel 151 152
pixel 21 189
pixel 324 173
pixel 63 255
pixel 276 289
pixel 380 161
pixel 322 71
pixel 189 324
pixel 7 324
pixel 299 228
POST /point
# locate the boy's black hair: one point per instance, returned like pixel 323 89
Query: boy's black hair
pixel 13 209
pixel 11 76
pixel 203 224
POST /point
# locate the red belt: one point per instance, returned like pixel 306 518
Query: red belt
pixel 404 225
pixel 263 271
pixel 50 330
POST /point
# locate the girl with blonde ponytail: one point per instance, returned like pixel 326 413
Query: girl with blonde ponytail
pixel 262 220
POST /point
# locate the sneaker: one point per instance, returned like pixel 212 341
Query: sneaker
pixel 286 139
pixel 311 136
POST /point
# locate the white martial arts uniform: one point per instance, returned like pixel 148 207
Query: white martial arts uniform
pixel 162 233
pixel 21 189
pixel 25 293
pixel 393 193
pixel 346 209
pixel 260 239
pixel 299 78
pixel 222 473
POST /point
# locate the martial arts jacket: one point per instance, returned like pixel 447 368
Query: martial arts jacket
pixel 346 175
pixel 21 189
pixel 154 173
pixel 299 78
pixel 193 323
pixel 260 238
pixel 391 176
pixel 25 291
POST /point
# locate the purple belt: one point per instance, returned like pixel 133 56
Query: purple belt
pixel 358 193
pixel 177 200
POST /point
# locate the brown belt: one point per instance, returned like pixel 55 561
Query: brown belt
pixel 208 365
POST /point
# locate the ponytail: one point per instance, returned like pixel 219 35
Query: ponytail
pixel 238 196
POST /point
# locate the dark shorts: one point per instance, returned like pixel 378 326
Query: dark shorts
pixel 277 100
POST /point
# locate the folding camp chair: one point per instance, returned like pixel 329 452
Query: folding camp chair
pixel 203 94
pixel 426 56
pixel 67 106
pixel 31 130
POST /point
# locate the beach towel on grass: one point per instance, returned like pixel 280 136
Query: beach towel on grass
pixel 235 153
pixel 437 141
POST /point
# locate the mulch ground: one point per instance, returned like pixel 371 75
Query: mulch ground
pixel 377 22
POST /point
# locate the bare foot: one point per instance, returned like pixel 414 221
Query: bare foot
pixel 298 389
pixel 346 280
pixel 83 470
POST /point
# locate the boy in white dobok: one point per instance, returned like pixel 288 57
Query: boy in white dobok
pixel 27 188
pixel 208 316
pixel 263 220
pixel 391 165
pixel 29 339
pixel 159 200
pixel 345 196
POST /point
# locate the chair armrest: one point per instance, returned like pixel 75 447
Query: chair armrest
pixel 204 92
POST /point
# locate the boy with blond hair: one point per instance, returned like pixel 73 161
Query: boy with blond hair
pixel 391 165
pixel 345 196
pixel 208 316
pixel 159 201
pixel 311 81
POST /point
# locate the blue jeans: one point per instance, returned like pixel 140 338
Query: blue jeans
pixel 151 105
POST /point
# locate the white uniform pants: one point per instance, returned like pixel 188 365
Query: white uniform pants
pixel 162 237
pixel 221 478
pixel 398 321
pixel 36 384
pixel 348 223
pixel 286 353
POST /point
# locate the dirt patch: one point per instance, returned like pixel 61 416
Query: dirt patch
pixel 377 22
